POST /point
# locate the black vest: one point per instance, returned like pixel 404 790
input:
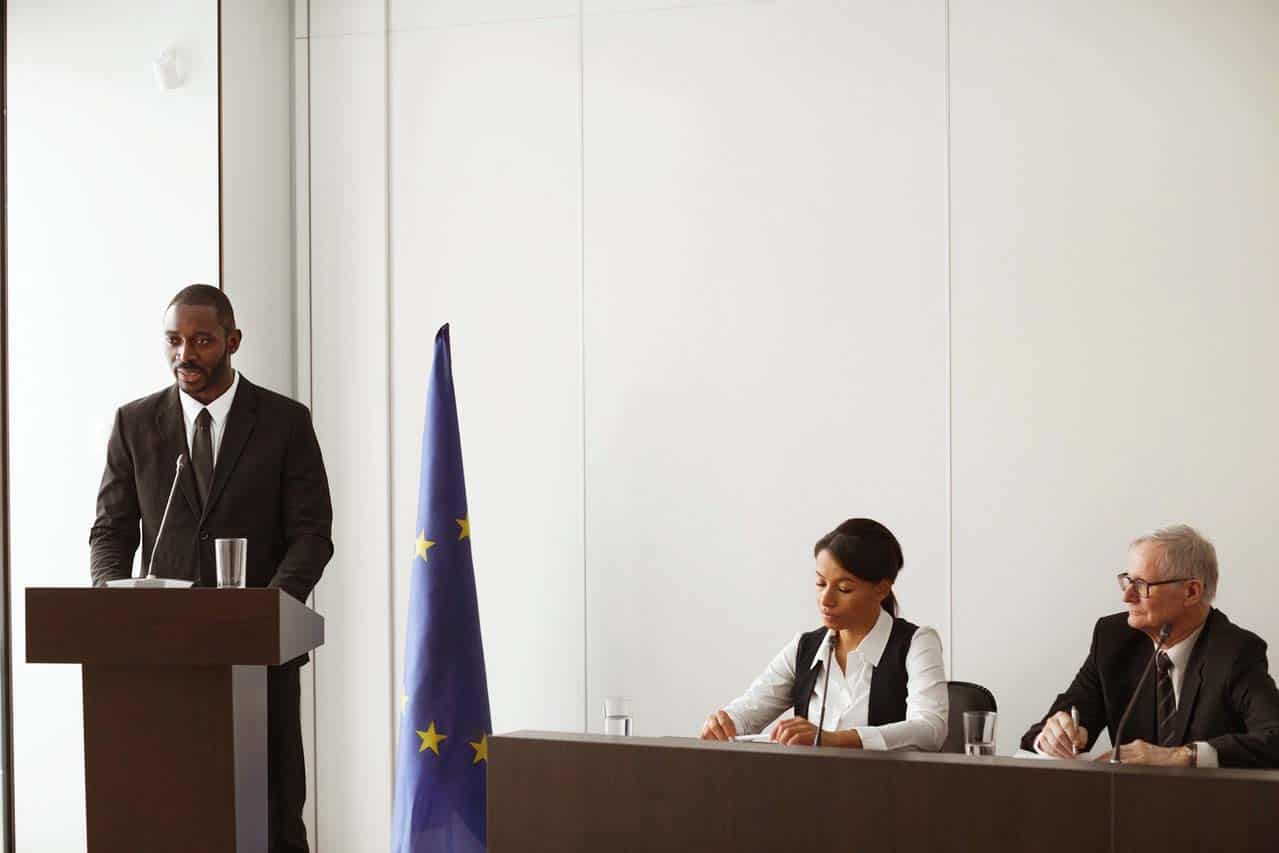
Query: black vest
pixel 887 682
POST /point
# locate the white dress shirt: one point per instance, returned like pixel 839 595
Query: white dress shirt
pixel 218 410
pixel 848 707
pixel 1206 754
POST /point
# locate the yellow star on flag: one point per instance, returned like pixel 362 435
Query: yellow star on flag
pixel 423 545
pixel 465 524
pixel 431 739
pixel 481 749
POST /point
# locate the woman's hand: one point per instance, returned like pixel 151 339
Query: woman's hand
pixel 800 732
pixel 795 732
pixel 718 726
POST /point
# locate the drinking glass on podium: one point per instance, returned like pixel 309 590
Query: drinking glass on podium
pixel 617 716
pixel 231 555
pixel 979 732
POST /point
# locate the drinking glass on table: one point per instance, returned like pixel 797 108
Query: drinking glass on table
pixel 617 715
pixel 231 555
pixel 979 732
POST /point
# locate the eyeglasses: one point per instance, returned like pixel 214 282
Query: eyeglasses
pixel 1143 586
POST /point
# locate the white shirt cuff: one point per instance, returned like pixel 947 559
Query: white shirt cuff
pixel 1205 754
pixel 1039 748
pixel 872 739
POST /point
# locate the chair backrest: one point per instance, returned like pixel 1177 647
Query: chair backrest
pixel 964 696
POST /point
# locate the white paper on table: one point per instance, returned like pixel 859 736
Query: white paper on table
pixel 1025 753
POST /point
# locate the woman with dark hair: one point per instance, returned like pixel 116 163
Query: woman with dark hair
pixel 887 684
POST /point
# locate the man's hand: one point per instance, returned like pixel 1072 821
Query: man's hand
pixel 795 732
pixel 719 726
pixel 1061 738
pixel 1140 752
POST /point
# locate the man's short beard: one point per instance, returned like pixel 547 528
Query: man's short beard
pixel 221 369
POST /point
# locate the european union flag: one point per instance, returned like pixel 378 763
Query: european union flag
pixel 442 758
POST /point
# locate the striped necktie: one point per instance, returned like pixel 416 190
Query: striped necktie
pixel 1167 702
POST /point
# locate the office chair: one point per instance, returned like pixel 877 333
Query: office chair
pixel 964 696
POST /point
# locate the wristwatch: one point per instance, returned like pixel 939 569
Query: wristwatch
pixel 1193 746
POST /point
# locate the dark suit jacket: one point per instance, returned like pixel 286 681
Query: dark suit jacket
pixel 269 487
pixel 1228 698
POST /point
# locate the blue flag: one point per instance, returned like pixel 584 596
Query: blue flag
pixel 442 757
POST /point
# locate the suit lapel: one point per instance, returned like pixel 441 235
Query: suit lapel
pixel 172 427
pixel 1142 724
pixel 1192 680
pixel 239 427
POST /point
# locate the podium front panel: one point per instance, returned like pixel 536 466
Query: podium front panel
pixel 175 755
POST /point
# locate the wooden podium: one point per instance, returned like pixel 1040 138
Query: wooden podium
pixel 175 718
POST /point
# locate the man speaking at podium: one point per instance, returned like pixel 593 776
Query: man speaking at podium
pixel 254 471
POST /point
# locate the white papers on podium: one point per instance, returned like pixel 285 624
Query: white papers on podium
pixel 762 737
pixel 150 583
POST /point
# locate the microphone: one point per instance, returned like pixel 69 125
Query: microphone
pixel 155 546
pixel 821 719
pixel 1164 631
pixel 150 581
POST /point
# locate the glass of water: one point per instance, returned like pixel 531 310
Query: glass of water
pixel 979 732
pixel 617 715
pixel 231 555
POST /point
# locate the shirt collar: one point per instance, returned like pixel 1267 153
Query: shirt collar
pixel 218 409
pixel 1180 653
pixel 872 645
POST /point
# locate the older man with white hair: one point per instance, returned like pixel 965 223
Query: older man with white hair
pixel 1210 700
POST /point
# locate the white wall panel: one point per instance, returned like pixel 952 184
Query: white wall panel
pixel 418 14
pixel 257 186
pixel 112 208
pixel 608 7
pixel 302 361
pixel 765 330
pixel 484 168
pixel 302 216
pixel 1115 194
pixel 350 405
pixel 328 18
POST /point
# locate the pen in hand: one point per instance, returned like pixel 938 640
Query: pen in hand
pixel 1074 718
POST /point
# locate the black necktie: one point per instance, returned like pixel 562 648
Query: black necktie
pixel 202 454
pixel 1167 701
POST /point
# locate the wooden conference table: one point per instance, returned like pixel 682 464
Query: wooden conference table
pixel 570 792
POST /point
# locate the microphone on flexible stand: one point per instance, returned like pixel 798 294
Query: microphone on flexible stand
pixel 821 719
pixel 1165 630
pixel 151 581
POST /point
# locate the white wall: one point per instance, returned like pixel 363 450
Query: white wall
pixel 350 406
pixel 1115 189
pixel 723 273
pixel 112 208
pixel 257 185
pixel 369 353
pixel 501 129
pixel 765 329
